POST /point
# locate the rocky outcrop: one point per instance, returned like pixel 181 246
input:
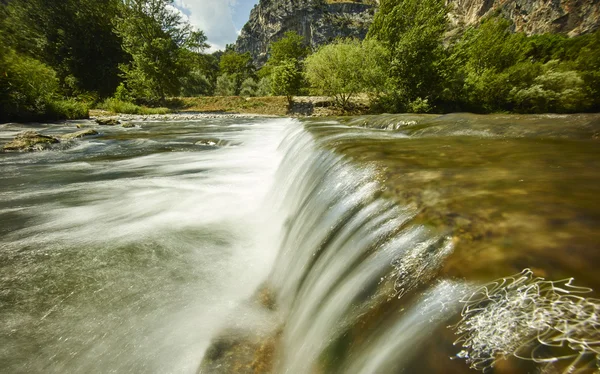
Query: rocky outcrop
pixel 318 21
pixel 79 134
pixel 321 21
pixel 108 122
pixel 572 17
pixel 28 141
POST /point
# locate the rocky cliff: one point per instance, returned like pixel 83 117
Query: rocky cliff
pixel 321 21
pixel 572 17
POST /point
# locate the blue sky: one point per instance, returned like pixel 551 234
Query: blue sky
pixel 220 20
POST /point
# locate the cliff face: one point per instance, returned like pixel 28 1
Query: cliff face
pixel 572 17
pixel 321 21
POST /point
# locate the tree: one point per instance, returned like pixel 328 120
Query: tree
pixel 74 37
pixel 348 67
pixel 286 79
pixel 155 37
pixel 412 30
pixel 226 85
pixel 237 66
pixel 290 47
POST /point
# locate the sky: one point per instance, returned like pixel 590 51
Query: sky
pixel 221 20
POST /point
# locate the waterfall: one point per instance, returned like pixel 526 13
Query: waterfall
pixel 356 281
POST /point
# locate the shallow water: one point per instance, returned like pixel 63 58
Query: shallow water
pixel 125 252
pixel 324 246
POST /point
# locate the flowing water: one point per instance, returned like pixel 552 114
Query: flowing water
pixel 361 245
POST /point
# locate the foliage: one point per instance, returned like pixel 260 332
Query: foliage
pixel 155 37
pixel 290 47
pixel 249 87
pixel 412 31
pixel 286 79
pixel 264 87
pixel 226 85
pixel 74 37
pixel 237 67
pixel 348 67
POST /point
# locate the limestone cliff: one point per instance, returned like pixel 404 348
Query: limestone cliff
pixel 321 21
pixel 572 17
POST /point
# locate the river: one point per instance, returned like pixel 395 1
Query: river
pixel 351 245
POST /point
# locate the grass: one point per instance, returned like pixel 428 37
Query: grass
pixel 273 105
pixel 124 107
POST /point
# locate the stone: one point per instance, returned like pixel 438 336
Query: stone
pixel 128 125
pixel 79 134
pixel 30 141
pixel 108 122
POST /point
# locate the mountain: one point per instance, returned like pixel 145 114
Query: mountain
pixel 321 21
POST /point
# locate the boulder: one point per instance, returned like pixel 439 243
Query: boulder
pixel 108 121
pixel 79 134
pixel 128 125
pixel 30 141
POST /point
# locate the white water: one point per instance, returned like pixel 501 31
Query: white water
pixel 131 252
pixel 133 265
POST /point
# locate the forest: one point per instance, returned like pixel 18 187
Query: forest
pixel 62 57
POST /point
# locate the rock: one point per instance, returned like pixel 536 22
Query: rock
pixel 30 141
pixel 572 17
pixel 79 126
pixel 318 21
pixel 128 125
pixel 79 134
pixel 108 122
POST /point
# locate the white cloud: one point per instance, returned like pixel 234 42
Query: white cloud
pixel 214 17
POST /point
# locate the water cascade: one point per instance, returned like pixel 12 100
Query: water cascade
pixel 269 245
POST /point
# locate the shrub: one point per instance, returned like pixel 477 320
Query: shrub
pixel 68 109
pixel 249 87
pixel 226 85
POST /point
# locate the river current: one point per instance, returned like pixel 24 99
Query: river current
pixel 417 244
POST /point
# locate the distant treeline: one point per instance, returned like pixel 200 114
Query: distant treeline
pixel 59 57
pixel 407 65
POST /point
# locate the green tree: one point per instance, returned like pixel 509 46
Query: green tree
pixel 412 31
pixel 155 37
pixel 237 66
pixel 74 37
pixel 249 87
pixel 290 47
pixel 286 79
pixel 348 67
pixel 226 85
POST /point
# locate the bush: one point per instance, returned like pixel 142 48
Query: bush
pixel 249 87
pixel 68 109
pixel 264 87
pixel 226 85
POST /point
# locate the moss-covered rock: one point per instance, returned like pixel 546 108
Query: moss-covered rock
pixel 30 141
pixel 79 134
pixel 108 122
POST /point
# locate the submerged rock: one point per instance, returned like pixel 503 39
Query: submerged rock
pixel 108 122
pixel 30 141
pixel 127 125
pixel 79 134
pixel 212 142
